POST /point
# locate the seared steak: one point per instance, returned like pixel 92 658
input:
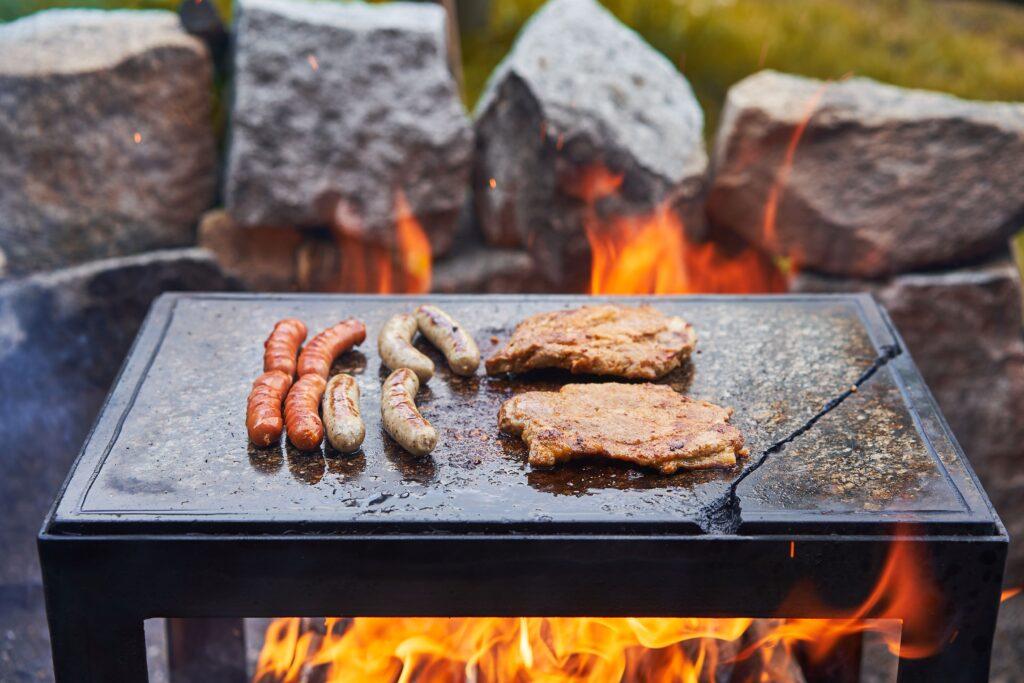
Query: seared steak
pixel 647 424
pixel 634 342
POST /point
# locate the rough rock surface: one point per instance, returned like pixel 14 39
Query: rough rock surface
pixel 271 259
pixel 580 93
pixel 883 180
pixel 339 107
pixel 106 141
pixel 63 336
pixel 963 329
pixel 1008 647
pixel 486 270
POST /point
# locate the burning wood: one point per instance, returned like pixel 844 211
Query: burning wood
pixel 652 254
pixel 371 268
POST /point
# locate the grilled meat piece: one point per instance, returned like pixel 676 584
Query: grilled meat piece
pixel 647 424
pixel 634 342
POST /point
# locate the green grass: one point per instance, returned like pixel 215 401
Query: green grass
pixel 12 9
pixel 970 49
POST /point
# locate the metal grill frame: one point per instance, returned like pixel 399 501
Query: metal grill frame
pixel 101 585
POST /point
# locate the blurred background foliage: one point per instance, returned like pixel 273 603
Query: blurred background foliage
pixel 971 48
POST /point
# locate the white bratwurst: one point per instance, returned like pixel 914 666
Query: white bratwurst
pixel 450 337
pixel 396 349
pixel 342 420
pixel 402 420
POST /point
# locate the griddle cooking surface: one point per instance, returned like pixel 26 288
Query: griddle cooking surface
pixel 170 448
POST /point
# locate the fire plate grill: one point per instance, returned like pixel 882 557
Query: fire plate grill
pixel 168 512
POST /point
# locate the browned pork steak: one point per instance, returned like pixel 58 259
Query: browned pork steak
pixel 634 342
pixel 647 424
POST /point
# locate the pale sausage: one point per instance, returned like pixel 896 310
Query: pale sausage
pixel 342 422
pixel 396 349
pixel 401 418
pixel 450 337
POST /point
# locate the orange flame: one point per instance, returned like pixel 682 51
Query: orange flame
pixel 651 253
pixel 369 268
pixel 769 226
pixel 771 205
pixel 904 596
pixel 902 607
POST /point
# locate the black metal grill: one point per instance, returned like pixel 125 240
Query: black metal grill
pixel 170 513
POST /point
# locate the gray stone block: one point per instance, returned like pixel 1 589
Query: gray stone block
pixel 883 180
pixel 337 108
pixel 63 336
pixel 580 91
pixel 106 138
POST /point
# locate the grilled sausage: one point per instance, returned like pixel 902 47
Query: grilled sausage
pixel 282 346
pixel 263 418
pixel 342 422
pixel 450 337
pixel 401 418
pixel 302 412
pixel 319 354
pixel 396 349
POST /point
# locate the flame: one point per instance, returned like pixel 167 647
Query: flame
pixel 651 253
pixel 771 205
pixel 369 268
pixel 904 595
pixel 902 608
pixel 547 649
pixel 769 227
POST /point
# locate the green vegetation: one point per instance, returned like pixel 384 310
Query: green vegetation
pixel 12 9
pixel 970 49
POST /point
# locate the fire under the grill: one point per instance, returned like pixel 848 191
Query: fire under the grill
pixel 855 512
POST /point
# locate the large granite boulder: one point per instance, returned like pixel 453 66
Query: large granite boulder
pixel 106 141
pixel 964 330
pixel 336 109
pixel 63 335
pixel 581 121
pixel 883 180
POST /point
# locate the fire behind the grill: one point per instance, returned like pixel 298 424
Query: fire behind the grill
pixel 652 254
pixel 648 253
pixel 899 612
pixel 369 268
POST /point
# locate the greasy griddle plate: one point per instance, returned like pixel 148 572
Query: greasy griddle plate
pixel 171 448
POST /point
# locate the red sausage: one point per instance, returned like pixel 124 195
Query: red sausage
pixel 302 412
pixel 263 418
pixel 282 346
pixel 318 355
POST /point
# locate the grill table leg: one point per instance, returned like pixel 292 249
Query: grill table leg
pixel 96 636
pixel 971 582
pixel 967 654
pixel 96 648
